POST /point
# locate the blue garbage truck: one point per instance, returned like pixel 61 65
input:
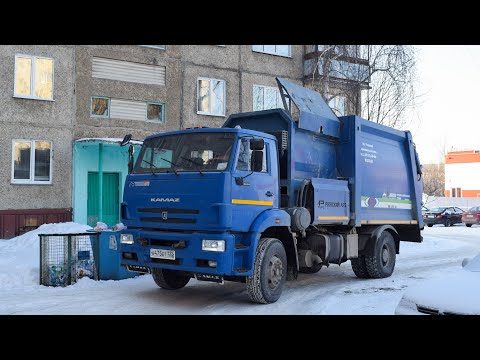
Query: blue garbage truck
pixel 270 194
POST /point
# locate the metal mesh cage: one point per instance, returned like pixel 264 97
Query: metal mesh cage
pixel 66 258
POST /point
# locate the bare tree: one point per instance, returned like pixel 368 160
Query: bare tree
pixel 376 81
pixel 433 179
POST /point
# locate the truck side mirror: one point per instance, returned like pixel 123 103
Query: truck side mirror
pixel 126 140
pixel 257 144
pixel 257 160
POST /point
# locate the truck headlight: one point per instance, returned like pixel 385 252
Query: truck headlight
pixel 126 239
pixel 213 245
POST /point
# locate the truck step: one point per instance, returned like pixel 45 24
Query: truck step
pixel 241 270
pixel 240 246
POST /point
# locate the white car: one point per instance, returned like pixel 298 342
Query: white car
pixel 455 294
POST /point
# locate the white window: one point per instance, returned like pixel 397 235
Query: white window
pixel 337 103
pixel 211 97
pixel 33 77
pixel 281 50
pixel 31 162
pixel 265 97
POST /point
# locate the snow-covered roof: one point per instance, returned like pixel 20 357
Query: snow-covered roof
pixel 108 140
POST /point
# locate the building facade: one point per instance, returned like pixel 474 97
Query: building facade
pixel 66 108
pixel 461 174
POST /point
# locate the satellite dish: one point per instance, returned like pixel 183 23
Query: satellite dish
pixel 126 140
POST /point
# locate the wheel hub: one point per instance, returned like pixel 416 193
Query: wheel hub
pixel 275 272
pixel 385 256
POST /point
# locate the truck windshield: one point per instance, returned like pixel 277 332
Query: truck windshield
pixel 189 152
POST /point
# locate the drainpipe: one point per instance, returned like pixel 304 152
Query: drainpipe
pixel 100 180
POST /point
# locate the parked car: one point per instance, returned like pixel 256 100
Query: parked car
pixel 446 215
pixel 472 216
pixel 454 294
pixel 424 209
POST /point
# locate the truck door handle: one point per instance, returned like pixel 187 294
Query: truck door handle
pixel 269 193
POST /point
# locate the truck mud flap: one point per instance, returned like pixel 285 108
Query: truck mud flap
pixel 209 277
pixel 137 268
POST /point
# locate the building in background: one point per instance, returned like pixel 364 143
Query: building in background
pixel 65 109
pixel 462 169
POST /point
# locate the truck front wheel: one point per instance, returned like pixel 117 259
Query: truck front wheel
pixel 380 261
pixel 170 279
pixel 269 272
pixel 359 267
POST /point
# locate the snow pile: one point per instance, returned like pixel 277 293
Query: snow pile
pixel 31 239
pixel 20 256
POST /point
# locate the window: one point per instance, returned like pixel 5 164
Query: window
pixel 265 98
pixel 211 97
pixel 100 107
pixel 155 112
pixel 104 107
pixel 456 192
pixel 31 162
pixel 161 47
pixel 33 77
pixel 281 50
pixel 337 103
pixel 244 160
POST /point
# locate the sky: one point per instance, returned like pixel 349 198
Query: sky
pixel 448 113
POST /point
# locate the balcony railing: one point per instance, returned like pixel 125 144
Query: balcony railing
pixel 348 62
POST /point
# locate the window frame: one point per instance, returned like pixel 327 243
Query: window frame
pixel 32 78
pixel 162 120
pixel 279 96
pixel 109 104
pixel 32 180
pixel 210 90
pixel 273 53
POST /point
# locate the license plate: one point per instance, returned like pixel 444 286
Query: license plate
pixel 162 254
pixel 431 216
pixel 470 216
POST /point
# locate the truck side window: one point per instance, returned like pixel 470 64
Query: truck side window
pixel 244 162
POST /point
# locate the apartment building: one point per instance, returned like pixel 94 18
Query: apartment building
pixel 64 110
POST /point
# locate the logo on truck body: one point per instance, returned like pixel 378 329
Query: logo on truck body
pixel 169 200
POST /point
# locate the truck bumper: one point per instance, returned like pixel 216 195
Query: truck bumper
pixel 189 255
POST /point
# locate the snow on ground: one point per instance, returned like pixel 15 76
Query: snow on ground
pixel 334 290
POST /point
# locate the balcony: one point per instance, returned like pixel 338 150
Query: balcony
pixel 349 62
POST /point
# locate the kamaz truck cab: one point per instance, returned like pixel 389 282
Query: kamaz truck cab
pixel 267 196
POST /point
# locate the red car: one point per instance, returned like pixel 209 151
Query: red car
pixel 472 216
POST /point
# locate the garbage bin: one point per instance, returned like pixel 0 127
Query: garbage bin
pixel 66 258
pixel 106 244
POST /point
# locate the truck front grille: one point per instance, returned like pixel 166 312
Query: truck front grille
pixel 168 215
pixel 168 210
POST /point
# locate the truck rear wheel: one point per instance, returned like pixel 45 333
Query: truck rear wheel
pixel 359 267
pixel 380 262
pixel 269 272
pixel 170 279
